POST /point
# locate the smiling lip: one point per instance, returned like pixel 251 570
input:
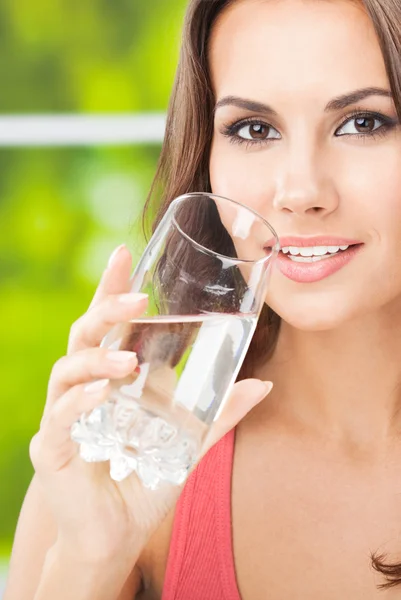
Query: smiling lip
pixel 315 271
pixel 322 240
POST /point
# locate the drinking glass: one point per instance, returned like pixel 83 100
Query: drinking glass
pixel 206 272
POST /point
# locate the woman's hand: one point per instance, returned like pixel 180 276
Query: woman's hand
pixel 98 518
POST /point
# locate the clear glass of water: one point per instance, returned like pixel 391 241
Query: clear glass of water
pixel 206 271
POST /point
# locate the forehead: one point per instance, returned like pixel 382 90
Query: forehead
pixel 294 45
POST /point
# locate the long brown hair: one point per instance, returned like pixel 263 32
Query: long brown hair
pixel 184 161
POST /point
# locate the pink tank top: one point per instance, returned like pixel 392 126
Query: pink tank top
pixel 200 563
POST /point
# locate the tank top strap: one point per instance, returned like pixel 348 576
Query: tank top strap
pixel 200 563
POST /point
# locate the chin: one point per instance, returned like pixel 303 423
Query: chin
pixel 316 314
pixel 304 322
pixel 334 302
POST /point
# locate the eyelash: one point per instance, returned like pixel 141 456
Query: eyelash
pixel 231 130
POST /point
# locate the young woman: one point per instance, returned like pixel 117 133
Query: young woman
pixel 292 107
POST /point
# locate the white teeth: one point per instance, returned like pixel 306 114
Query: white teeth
pixel 309 258
pixel 309 251
pixel 319 250
pixel 306 251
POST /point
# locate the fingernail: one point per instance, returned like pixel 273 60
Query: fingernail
pixel 114 254
pixel 96 386
pixel 265 388
pixel 121 356
pixel 131 298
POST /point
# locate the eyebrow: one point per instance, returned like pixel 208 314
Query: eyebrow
pixel 338 103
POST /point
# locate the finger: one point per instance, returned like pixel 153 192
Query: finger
pixel 83 366
pixel 52 448
pixel 89 330
pixel 115 278
pixel 245 396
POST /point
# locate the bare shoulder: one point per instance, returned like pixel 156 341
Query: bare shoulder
pixel 152 563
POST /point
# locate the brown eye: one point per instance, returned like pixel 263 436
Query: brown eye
pixel 365 124
pixel 257 131
pixel 362 124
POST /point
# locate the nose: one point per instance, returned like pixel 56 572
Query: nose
pixel 302 186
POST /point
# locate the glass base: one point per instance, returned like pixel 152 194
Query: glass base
pixel 146 444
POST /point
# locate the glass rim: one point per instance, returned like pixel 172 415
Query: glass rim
pixel 182 197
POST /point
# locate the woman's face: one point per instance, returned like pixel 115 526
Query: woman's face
pixel 312 169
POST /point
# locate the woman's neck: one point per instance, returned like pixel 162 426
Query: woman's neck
pixel 342 384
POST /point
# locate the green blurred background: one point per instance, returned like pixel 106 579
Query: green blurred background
pixel 63 210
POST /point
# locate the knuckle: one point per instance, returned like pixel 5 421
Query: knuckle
pixel 76 331
pixel 56 373
pixel 75 327
pixel 57 368
pixel 35 449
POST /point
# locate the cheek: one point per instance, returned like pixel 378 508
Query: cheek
pixel 385 211
pixel 239 175
pixel 368 184
pixel 374 190
pixel 369 181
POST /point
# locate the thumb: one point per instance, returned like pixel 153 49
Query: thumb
pixel 245 395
